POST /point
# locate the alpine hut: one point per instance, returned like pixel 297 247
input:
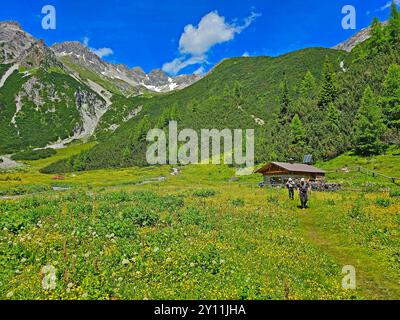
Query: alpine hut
pixel 279 172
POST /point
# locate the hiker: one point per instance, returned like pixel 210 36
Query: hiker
pixel 303 192
pixel 290 185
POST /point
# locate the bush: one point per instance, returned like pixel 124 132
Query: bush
pixel 61 166
pixel 204 193
pixel 33 154
pixel 383 202
pixel 395 193
pixel 238 202
pixel 192 216
pixel 142 216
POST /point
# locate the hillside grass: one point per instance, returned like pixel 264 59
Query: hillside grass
pixel 387 164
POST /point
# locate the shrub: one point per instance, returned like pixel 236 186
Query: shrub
pixel 238 202
pixel 142 216
pixel 395 193
pixel 204 193
pixel 192 216
pixel 383 202
pixel 119 227
pixel 33 154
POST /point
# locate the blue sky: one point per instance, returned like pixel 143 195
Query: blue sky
pixel 192 35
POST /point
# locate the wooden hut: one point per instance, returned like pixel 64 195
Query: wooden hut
pixel 280 172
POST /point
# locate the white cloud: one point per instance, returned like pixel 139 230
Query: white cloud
pixel 86 41
pixel 101 52
pixel 246 54
pixel 388 5
pixel 180 63
pixel 200 71
pixel 196 41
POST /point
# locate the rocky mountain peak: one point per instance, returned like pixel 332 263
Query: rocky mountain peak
pixel 14 42
pixel 10 24
pixel 356 39
pixel 74 48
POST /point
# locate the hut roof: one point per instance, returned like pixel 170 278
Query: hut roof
pixel 292 167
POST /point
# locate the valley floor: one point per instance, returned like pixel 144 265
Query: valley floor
pixel 128 234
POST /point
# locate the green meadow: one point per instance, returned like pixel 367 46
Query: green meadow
pixel 130 234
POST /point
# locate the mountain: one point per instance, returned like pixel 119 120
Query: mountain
pixel 121 79
pixel 238 93
pixel 40 101
pixel 303 102
pixel 54 95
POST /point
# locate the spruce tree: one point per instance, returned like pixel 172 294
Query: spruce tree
pixel 390 99
pixel 333 116
pixel 378 38
pixel 394 24
pixel 328 91
pixel 298 131
pixel 284 102
pixel 308 86
pixel 369 126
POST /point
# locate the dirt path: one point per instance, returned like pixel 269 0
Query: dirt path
pixel 371 283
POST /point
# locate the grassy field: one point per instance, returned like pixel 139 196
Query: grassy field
pixel 126 234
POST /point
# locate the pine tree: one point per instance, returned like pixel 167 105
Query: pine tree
pixel 390 100
pixel 142 129
pixel 284 102
pixel 394 24
pixel 308 86
pixel 329 87
pixel 378 38
pixel 332 116
pixel 369 126
pixel 298 131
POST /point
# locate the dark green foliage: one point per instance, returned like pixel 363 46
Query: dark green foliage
pixel 308 87
pixel 298 132
pixel 33 154
pixel 394 24
pixel 142 216
pixel 395 193
pixel 285 102
pixel 369 126
pixel 385 203
pixel 238 202
pixel 391 97
pixel 204 193
pixel 329 88
pixel 192 216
